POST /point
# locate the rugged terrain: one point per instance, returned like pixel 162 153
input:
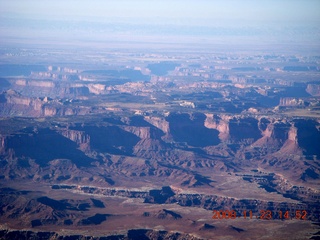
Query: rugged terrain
pixel 150 151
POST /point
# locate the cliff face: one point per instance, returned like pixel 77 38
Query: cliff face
pixel 244 129
pixel 76 136
pixel 291 102
pixel 111 156
pixel 267 134
pixel 35 83
pixel 97 88
pixel 43 145
pixel 190 128
pixel 13 103
pixel 74 91
pixel 219 123
pixel 176 142
pixel 299 138
pixel 158 122
pixel 308 137
pixel 218 133
pixel 12 99
pixel 79 137
pixel 54 89
pixel 274 135
pixel 3 147
pixel 141 132
pixel 313 89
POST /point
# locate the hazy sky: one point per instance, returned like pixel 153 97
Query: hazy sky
pixel 183 10
pixel 102 18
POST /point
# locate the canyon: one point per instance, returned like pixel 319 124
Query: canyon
pixel 150 150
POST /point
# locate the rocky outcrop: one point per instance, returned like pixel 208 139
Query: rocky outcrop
pixel 35 83
pixel 158 122
pixel 213 202
pixel 134 234
pixel 44 145
pixel 13 98
pixel 76 136
pixel 219 123
pixel 141 132
pixel 307 136
pixel 291 102
pixel 313 89
pixel 79 137
pixel 274 136
pixel 13 103
pixel 191 141
pixel 74 91
pixel 167 214
pixel 111 139
pixel 97 88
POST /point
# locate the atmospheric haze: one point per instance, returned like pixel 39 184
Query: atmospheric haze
pixel 244 22
pixel 182 120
